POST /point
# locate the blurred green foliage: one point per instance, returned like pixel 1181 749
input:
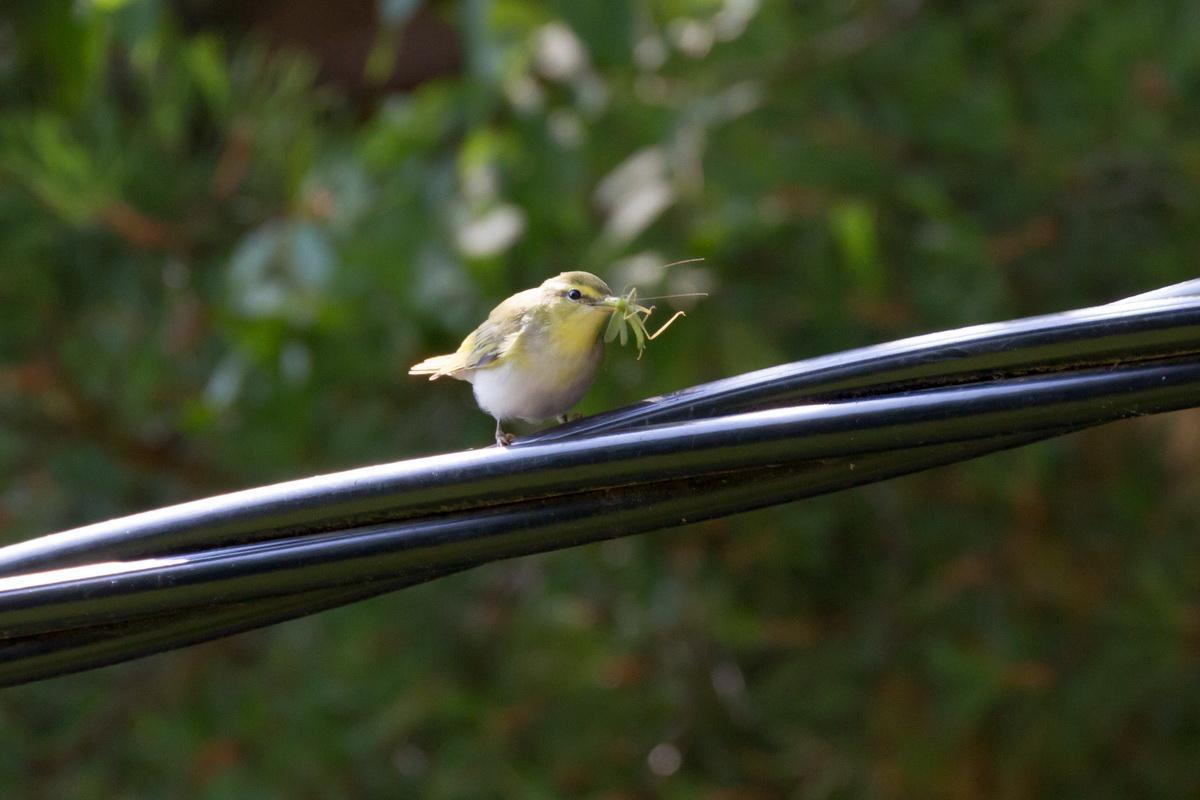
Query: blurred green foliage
pixel 217 263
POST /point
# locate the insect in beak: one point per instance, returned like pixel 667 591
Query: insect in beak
pixel 629 314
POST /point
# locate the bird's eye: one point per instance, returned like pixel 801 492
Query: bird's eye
pixel 574 294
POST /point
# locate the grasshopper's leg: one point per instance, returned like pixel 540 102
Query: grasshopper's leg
pixel 666 325
pixel 638 324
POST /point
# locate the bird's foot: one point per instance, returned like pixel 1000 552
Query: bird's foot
pixel 569 417
pixel 502 438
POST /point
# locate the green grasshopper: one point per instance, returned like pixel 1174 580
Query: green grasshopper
pixel 628 314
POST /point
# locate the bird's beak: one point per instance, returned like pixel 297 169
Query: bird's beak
pixel 610 303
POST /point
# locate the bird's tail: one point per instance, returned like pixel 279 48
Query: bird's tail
pixel 435 367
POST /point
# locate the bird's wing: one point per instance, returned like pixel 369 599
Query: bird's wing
pixel 485 344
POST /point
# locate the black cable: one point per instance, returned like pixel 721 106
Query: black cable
pixel 51 649
pixel 251 558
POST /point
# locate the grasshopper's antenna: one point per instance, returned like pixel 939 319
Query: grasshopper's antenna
pixel 673 296
pixel 685 261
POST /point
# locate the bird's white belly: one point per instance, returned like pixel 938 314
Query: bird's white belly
pixel 510 391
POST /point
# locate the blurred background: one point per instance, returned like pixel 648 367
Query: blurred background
pixel 226 230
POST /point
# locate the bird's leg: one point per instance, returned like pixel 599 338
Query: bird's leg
pixel 503 439
pixel 570 416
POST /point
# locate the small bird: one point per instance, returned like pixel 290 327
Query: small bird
pixel 536 354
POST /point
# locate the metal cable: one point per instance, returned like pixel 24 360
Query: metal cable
pixel 182 574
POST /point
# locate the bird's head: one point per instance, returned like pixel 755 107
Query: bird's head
pixel 577 295
pixel 576 304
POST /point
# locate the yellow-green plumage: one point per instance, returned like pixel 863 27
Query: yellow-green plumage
pixel 536 354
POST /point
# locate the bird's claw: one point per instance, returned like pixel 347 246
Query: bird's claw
pixel 569 417
pixel 502 438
